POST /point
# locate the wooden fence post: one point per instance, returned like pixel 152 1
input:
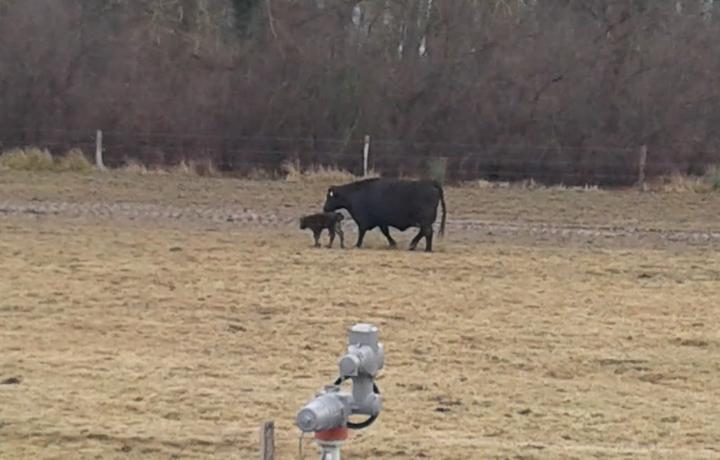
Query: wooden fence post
pixel 438 169
pixel 641 168
pixel 267 441
pixel 99 150
pixel 366 154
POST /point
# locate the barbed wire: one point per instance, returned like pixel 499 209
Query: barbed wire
pixel 477 151
pixel 462 160
pixel 260 169
pixel 128 152
pixel 253 164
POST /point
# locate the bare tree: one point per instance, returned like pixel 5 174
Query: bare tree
pixel 557 90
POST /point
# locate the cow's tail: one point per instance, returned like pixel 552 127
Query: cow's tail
pixel 444 210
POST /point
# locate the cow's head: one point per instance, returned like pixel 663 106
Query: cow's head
pixel 334 200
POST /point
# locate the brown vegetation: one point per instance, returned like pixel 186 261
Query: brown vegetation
pixel 555 90
pixel 40 160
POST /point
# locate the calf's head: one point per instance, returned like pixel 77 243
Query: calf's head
pixel 334 200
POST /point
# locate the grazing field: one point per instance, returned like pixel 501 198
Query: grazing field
pixel 148 337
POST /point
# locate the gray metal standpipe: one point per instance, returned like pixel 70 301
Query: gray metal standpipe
pixel 330 409
pixel 363 361
pixel 327 415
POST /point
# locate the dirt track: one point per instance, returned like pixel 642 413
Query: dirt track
pixel 464 229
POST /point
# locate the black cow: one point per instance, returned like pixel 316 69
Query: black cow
pixel 384 202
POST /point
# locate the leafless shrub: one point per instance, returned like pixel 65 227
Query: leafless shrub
pixel 557 91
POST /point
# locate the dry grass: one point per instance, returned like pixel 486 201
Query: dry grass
pixel 74 160
pixel 184 169
pixel 204 168
pixel 681 183
pixel 135 167
pixel 193 168
pixel 292 172
pixel 712 176
pixel 151 342
pixel 40 160
pixel 318 174
pixel 259 174
pixel 530 184
pixel 27 159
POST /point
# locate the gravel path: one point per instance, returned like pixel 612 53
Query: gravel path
pixel 466 227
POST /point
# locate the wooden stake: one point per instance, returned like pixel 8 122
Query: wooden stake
pixel 99 150
pixel 267 441
pixel 641 168
pixel 366 154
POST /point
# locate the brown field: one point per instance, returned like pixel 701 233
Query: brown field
pixel 557 205
pixel 158 338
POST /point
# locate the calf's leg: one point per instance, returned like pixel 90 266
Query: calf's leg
pixel 332 236
pixel 340 233
pixel 316 236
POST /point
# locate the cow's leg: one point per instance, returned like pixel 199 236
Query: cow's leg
pixel 386 232
pixel 414 242
pixel 428 232
pixel 331 230
pixel 316 235
pixel 361 235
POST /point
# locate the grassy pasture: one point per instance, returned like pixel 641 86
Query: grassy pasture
pixel 160 339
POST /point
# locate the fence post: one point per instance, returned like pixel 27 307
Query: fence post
pixel 438 169
pixel 99 150
pixel 641 168
pixel 267 441
pixel 366 154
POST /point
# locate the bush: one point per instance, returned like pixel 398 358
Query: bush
pixel 74 160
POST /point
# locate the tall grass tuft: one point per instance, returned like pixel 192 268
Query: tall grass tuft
pixel 316 174
pixel 75 161
pixel 36 159
pixel 27 159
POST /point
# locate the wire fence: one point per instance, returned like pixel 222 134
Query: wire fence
pixel 243 155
